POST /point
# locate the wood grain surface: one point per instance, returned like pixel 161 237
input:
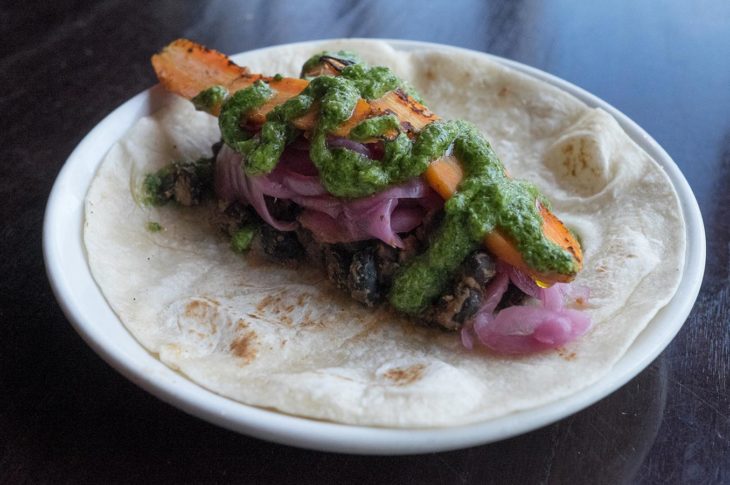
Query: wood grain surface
pixel 66 417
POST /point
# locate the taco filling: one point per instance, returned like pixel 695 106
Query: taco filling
pixel 347 168
pixel 411 231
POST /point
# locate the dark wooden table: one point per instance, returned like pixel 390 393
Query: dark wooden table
pixel 65 416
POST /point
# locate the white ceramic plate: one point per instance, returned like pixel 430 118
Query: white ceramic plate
pixel 85 306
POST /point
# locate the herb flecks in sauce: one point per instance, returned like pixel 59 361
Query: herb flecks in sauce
pixel 185 182
pixel 153 226
pixel 336 59
pixel 211 99
pixel 157 187
pixel 371 82
pixel 344 173
pixel 243 238
pixel 425 277
pixel 487 199
pixel 375 127
pixel 261 152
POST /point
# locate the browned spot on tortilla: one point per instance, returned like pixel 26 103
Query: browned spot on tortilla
pixel 265 301
pixel 405 376
pixel 562 352
pixel 503 92
pixel 242 324
pixel 286 320
pixel 306 320
pixel 572 161
pixel 244 347
pixel 274 304
pixel 196 309
pixel 583 155
pixel 306 296
pixel 203 312
pixel 289 309
pixel 430 75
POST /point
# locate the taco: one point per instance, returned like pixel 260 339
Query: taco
pixel 282 336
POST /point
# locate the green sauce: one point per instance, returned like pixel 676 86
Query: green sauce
pixel 242 239
pixel 486 198
pixel 344 173
pixel 261 152
pixel 211 99
pixel 344 57
pixel 371 82
pixel 375 126
pixel 159 187
pixel 153 226
pixel 424 278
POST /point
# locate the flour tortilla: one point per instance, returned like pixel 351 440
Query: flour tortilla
pixel 287 340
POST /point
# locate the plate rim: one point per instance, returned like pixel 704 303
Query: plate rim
pixel 343 438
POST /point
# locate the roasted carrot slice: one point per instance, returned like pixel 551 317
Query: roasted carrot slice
pixel 361 112
pixel 186 68
pixel 405 108
pixel 555 230
pixel 283 90
pixel 444 175
pixel 504 248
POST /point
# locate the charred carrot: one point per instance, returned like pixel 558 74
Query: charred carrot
pixel 444 176
pixel 187 68
pixel 500 245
